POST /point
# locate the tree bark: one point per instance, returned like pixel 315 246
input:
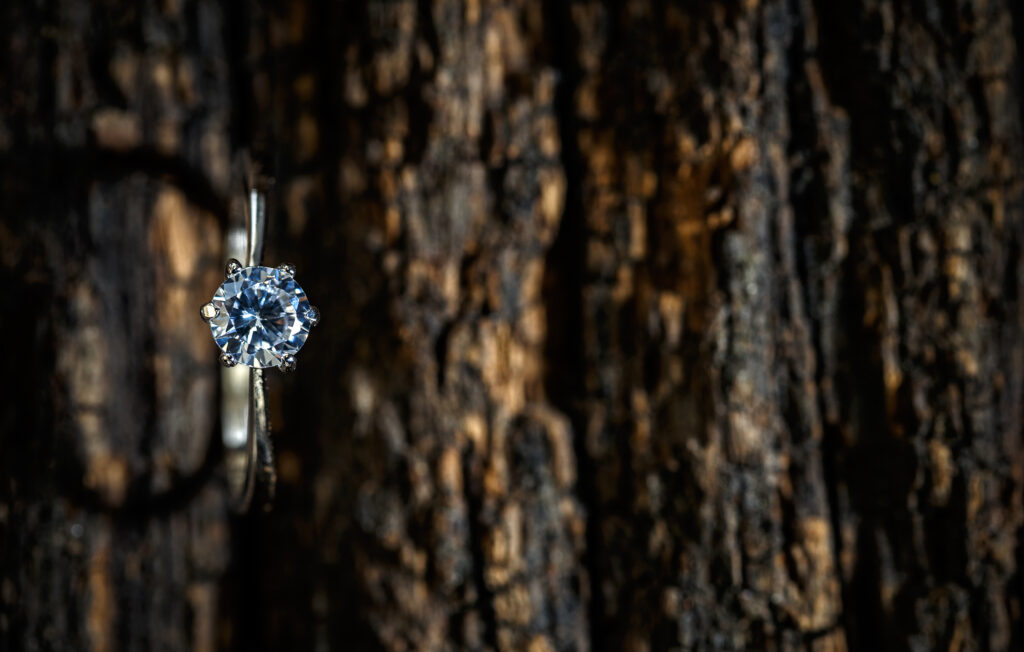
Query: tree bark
pixel 645 325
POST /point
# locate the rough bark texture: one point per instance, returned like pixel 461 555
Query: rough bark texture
pixel 646 325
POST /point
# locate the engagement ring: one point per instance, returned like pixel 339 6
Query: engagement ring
pixel 259 317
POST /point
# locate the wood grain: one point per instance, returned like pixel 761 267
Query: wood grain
pixel 645 325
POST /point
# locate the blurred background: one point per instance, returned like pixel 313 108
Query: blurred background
pixel 646 325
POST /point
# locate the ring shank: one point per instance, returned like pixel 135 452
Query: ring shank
pixel 244 418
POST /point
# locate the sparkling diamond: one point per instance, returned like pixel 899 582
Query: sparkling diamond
pixel 262 316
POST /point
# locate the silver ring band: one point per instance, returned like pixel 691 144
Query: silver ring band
pixel 259 317
pixel 245 427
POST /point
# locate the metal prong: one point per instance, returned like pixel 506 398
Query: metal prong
pixel 208 311
pixel 288 363
pixel 287 268
pixel 232 267
pixel 313 315
pixel 228 360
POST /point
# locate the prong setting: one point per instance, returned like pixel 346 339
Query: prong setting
pixel 254 342
pixel 287 268
pixel 208 311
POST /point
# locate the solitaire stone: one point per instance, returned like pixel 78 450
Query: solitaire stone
pixel 262 316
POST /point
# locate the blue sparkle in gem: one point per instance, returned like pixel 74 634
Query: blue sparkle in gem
pixel 262 316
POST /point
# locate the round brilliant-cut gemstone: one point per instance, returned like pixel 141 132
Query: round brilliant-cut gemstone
pixel 262 316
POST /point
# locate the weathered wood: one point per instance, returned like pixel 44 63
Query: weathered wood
pixel 929 464
pixel 114 152
pixel 801 322
pixel 427 154
pixel 701 413
pixel 646 325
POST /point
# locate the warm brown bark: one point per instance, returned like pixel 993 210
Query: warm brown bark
pixel 114 153
pixel 702 415
pixel 422 144
pixel 645 325
pixel 929 452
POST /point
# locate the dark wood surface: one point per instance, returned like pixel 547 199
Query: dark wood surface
pixel 645 325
